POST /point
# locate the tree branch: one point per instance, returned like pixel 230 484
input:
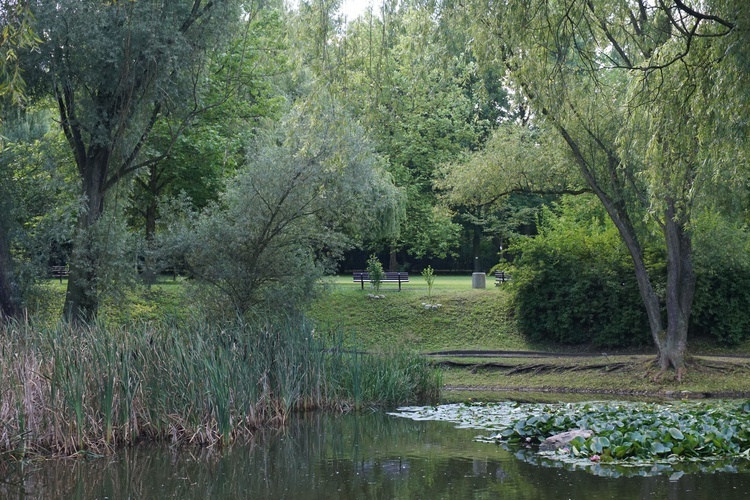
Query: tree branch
pixel 703 17
pixel 195 14
pixel 69 123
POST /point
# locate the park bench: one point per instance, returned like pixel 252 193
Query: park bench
pixel 501 277
pixel 59 272
pixel 388 277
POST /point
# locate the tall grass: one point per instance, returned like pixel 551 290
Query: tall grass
pixel 70 390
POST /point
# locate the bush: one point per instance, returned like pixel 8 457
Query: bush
pixel 575 282
pixel 722 268
pixel 721 304
pixel 311 188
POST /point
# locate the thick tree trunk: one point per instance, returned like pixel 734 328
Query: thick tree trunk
pixel 82 299
pixel 680 291
pixel 9 304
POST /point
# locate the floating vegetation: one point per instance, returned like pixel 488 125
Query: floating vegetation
pixel 627 438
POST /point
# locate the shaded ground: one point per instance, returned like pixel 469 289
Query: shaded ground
pixel 718 376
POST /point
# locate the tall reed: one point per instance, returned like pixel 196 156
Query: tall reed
pixel 69 390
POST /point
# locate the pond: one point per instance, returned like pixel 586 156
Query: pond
pixel 371 455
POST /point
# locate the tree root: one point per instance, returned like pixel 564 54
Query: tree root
pixel 650 369
pixel 536 368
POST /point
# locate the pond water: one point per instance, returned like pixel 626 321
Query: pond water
pixel 372 455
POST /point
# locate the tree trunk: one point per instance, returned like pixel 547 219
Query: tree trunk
pixel 81 299
pixel 149 272
pixel 392 261
pixel 680 291
pixel 619 216
pixel 9 305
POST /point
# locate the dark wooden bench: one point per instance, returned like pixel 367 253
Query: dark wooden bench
pixel 59 272
pixel 388 277
pixel 501 277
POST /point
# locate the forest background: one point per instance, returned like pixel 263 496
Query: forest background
pixel 594 149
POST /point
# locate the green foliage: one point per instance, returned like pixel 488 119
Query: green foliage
pixel 37 200
pixel 574 281
pixel 632 434
pixel 375 269
pixel 388 378
pixel 415 86
pixel 17 35
pixel 311 188
pixel 113 70
pixel 642 111
pixel 722 297
pixel 516 158
pixel 429 277
pixel 643 431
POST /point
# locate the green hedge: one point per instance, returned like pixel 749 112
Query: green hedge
pixel 575 282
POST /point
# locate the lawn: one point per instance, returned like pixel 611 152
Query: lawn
pixel 417 284
pixel 482 319
pixel 463 318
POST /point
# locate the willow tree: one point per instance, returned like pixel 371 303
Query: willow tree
pixel 115 69
pixel 636 91
pixel 311 188
pixel 17 35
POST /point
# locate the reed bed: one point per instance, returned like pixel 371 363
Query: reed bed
pixel 86 390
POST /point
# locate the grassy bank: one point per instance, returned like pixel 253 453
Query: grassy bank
pixel 463 318
pixel 142 376
pixel 67 391
pixel 482 320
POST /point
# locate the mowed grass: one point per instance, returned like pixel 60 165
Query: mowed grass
pixel 466 318
pixel 482 319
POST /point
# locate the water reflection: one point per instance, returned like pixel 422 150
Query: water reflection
pixel 345 457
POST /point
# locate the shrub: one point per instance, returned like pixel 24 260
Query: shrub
pixel 311 187
pixel 375 270
pixel 722 268
pixel 429 276
pixel 575 282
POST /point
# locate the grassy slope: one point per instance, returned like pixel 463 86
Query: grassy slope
pixel 466 319
pixel 481 319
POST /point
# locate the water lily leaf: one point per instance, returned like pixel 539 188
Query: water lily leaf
pixel 657 448
pixel 578 442
pixel 676 433
pixel 621 451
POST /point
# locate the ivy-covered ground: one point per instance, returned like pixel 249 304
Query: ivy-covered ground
pixel 629 438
